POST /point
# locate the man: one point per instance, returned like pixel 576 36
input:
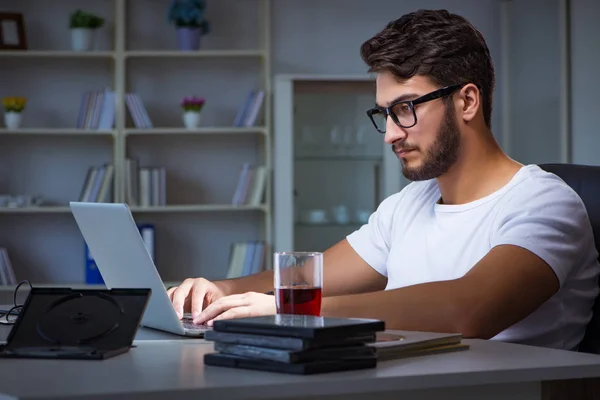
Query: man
pixel 478 243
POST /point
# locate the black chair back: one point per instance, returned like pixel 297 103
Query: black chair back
pixel 585 180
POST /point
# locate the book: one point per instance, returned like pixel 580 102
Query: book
pixel 398 344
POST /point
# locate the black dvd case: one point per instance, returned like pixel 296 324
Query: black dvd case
pixel 317 367
pixel 64 323
pixel 301 326
pixel 296 357
pixel 286 343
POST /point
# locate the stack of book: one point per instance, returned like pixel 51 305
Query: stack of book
pixel 246 258
pixel 97 186
pixel 248 113
pixel 251 185
pixel 145 186
pixel 97 110
pixel 295 344
pixel 7 274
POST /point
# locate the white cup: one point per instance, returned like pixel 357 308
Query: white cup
pixel 362 216
pixel 316 216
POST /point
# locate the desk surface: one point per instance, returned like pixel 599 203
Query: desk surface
pixel 166 364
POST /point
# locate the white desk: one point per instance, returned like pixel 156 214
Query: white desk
pixel 163 366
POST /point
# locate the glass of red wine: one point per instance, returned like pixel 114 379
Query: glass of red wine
pixel 298 282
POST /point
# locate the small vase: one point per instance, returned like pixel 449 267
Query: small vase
pixel 12 120
pixel 188 39
pixel 191 119
pixel 82 39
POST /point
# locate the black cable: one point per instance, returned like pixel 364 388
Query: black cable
pixel 16 309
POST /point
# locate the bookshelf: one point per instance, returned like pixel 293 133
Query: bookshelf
pixel 136 51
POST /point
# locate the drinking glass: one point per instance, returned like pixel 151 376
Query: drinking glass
pixel 298 282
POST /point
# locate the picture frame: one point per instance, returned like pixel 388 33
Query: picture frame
pixel 12 31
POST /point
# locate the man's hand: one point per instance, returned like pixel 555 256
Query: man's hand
pixel 249 304
pixel 194 295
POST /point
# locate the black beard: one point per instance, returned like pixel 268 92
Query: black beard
pixel 442 154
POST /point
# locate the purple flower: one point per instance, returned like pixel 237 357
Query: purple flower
pixel 192 103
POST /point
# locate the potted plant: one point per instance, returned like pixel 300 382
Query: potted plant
pixel 83 25
pixel 13 109
pixel 192 106
pixel 188 18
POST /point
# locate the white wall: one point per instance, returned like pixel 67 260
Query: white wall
pixel 534 86
pixel 585 71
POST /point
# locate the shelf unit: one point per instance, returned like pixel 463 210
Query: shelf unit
pixel 204 167
pixel 315 153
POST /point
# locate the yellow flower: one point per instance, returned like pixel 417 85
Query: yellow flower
pixel 14 103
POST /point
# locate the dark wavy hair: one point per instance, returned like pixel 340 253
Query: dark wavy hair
pixel 435 43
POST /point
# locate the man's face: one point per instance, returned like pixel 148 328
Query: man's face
pixel 428 149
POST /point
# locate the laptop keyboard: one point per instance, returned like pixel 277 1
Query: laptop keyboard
pixel 189 325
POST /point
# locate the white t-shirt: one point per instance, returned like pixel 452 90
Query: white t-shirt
pixel 412 239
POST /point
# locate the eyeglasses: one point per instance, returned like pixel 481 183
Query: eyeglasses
pixel 403 111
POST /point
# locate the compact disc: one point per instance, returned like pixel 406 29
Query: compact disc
pixel 78 319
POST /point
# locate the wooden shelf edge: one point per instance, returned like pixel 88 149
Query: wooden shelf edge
pixel 234 130
pixel 58 132
pixel 193 54
pixel 55 54
pixel 174 208
pixel 35 210
pixel 196 208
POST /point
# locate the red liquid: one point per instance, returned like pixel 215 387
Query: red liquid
pixel 299 300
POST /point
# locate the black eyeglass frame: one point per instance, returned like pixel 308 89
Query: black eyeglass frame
pixel 387 111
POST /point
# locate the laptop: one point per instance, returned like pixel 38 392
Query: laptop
pixel 124 262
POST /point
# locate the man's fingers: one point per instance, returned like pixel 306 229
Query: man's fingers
pixel 220 306
pixel 197 301
pixel 170 292
pixel 180 294
pixel 237 312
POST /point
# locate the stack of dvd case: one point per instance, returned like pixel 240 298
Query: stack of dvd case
pixel 295 344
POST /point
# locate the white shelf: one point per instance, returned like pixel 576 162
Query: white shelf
pixel 193 54
pixel 55 54
pixel 200 131
pixel 196 208
pixel 56 131
pixel 138 209
pixel 340 157
pixel 197 160
pixel 352 224
pixel 35 210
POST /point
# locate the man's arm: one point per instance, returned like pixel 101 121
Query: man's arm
pixel 344 273
pixel 505 286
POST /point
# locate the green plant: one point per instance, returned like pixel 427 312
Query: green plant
pixel 189 14
pixel 84 19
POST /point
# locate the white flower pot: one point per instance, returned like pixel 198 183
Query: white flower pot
pixel 12 120
pixel 82 39
pixel 191 119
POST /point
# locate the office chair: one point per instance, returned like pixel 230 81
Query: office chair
pixel 585 180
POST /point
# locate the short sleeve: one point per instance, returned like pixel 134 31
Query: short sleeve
pixel 372 241
pixel 549 220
